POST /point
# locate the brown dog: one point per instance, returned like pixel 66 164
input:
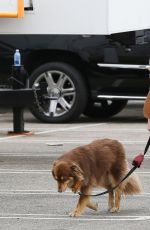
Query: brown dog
pixel 101 163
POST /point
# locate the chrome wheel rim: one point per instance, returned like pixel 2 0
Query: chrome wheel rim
pixel 59 95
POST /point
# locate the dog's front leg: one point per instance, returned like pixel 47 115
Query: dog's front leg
pixel 76 186
pixel 92 205
pixel 82 203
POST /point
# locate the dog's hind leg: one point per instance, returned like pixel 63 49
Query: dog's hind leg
pixel 111 201
pixel 114 200
pixel 117 199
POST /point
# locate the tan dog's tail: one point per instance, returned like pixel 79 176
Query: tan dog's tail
pixel 132 185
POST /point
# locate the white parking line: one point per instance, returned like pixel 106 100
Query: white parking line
pixel 72 128
pixel 54 192
pixel 56 140
pixel 28 155
pixel 61 142
pixel 117 129
pixel 66 217
pixel 52 131
pixel 50 154
pixel 12 171
pixel 47 171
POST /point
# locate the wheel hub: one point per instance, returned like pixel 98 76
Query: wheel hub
pixel 54 93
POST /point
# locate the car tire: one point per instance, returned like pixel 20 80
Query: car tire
pixel 63 93
pixel 104 108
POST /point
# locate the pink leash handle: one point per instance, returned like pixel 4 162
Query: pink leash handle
pixel 137 161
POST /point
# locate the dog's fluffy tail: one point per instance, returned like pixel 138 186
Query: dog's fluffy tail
pixel 132 185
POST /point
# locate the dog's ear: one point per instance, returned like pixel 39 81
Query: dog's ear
pixel 53 173
pixel 53 166
pixel 54 163
pixel 77 171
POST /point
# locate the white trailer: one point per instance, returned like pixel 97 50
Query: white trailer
pixel 73 16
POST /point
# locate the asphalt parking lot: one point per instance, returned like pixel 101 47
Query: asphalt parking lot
pixel 28 193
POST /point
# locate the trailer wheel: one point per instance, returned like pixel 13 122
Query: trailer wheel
pixel 104 108
pixel 63 94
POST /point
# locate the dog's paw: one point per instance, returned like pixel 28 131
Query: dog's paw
pixel 113 210
pixel 74 214
pixel 74 190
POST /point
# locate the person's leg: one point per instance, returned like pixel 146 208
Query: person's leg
pixel 148 124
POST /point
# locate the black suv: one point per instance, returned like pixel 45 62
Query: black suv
pixel 65 68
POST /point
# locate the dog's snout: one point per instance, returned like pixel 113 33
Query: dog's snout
pixel 62 187
pixel 59 190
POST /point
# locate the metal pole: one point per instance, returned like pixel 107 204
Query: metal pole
pixel 18 120
pixel 18 112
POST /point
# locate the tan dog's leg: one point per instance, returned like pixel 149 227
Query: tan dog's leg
pixel 76 187
pixel 82 203
pixel 111 202
pixel 114 200
pixel 117 199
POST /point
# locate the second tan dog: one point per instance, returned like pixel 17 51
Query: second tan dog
pixel 101 163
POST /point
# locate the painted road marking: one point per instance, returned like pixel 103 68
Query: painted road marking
pixel 52 131
pixel 54 192
pixel 66 217
pixel 67 129
pixel 12 171
pixel 103 129
pixel 47 171
pixel 61 142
